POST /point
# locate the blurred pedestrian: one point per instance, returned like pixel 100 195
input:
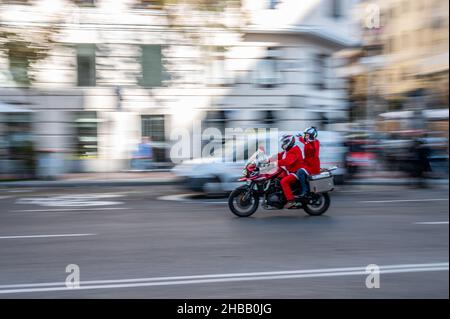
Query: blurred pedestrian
pixel 420 164
pixel 143 157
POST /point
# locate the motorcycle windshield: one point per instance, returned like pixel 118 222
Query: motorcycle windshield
pixel 257 156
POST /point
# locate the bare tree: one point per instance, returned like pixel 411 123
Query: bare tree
pixel 24 47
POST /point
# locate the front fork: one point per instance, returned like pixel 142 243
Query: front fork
pixel 249 192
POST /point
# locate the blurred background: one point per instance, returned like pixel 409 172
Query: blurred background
pixel 101 86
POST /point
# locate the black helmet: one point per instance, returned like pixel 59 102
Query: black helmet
pixel 287 141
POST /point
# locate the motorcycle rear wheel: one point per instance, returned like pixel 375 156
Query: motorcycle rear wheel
pixel 319 206
pixel 241 207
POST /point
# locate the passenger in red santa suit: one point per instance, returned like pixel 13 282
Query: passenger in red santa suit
pixel 311 163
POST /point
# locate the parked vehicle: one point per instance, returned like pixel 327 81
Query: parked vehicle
pixel 214 175
pixel 359 157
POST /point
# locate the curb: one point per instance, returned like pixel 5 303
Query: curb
pixel 399 182
pixel 175 181
pixel 90 183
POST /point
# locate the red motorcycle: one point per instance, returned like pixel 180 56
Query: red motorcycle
pixel 244 200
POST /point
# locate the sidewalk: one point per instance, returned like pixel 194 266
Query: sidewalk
pixel 130 178
pixel 391 178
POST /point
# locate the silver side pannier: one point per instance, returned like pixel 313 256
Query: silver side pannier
pixel 321 183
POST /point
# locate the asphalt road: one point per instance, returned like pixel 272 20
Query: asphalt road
pixel 149 242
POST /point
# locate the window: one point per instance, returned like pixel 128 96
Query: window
pixel 405 40
pixel 17 145
pixel 149 4
pixel 268 118
pixel 389 48
pixel 267 71
pixel 218 73
pixel 392 13
pixel 398 9
pixel 399 39
pixel 421 4
pixel 425 37
pixel 86 144
pixel 319 71
pixel 151 62
pixel 216 119
pixel 152 126
pixel 85 3
pixel 272 4
pixel 336 8
pixel 86 64
pixel 437 23
pixel 405 6
pixel 26 2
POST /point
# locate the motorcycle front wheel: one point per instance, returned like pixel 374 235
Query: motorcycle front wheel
pixel 242 203
pixel 318 204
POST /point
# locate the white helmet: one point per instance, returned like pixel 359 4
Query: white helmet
pixel 287 141
pixel 312 132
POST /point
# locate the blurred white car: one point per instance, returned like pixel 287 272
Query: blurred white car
pixel 215 175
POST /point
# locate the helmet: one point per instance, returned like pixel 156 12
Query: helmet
pixel 312 131
pixel 287 141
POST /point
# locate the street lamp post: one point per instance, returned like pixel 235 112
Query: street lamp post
pixel 372 64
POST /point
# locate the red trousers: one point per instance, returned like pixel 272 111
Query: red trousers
pixel 286 183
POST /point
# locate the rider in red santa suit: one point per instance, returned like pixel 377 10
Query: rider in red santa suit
pixel 290 160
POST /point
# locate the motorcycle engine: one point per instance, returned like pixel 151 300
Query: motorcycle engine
pixel 274 199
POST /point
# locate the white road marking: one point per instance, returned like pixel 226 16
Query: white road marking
pixel 432 223
pixel 186 198
pixel 76 200
pixel 216 278
pixel 20 190
pixel 213 202
pixel 68 209
pixel 405 200
pixel 45 236
pixel 3 197
pixel 177 197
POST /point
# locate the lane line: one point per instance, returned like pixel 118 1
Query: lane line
pixel 227 275
pixel 45 236
pixel 431 223
pixel 405 200
pixel 67 209
pixel 216 278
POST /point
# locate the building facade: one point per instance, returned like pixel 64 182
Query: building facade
pixel 116 71
pixel 403 59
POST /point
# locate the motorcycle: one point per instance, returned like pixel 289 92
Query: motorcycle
pixel 263 182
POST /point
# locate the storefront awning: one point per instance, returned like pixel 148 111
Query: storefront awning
pixel 428 114
pixel 397 115
pixel 436 114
